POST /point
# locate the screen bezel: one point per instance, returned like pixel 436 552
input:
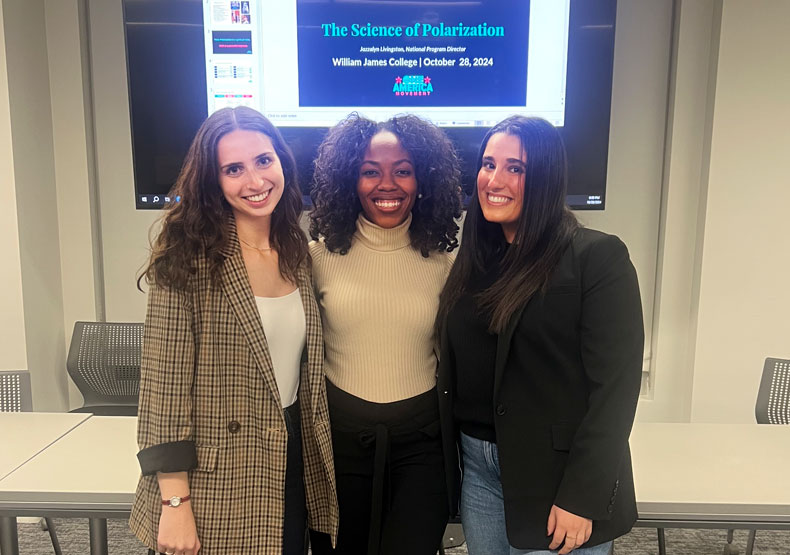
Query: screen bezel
pixel 585 133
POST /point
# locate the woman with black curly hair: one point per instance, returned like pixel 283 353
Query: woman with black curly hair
pixel 386 197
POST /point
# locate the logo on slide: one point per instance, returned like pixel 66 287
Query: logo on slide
pixel 412 85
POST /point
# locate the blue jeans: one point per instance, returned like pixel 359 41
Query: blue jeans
pixel 483 505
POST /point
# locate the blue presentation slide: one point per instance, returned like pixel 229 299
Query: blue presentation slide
pixel 232 42
pixel 402 54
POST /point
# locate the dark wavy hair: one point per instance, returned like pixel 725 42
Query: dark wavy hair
pixel 545 229
pixel 198 225
pixel 336 204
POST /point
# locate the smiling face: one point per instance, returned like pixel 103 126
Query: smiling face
pixel 500 182
pixel 387 185
pixel 250 174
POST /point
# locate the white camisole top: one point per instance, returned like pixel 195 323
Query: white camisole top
pixel 285 329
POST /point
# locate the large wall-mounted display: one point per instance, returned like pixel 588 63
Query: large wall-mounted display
pixel 308 64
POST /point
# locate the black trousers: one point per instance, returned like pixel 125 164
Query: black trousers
pixel 295 519
pixel 390 476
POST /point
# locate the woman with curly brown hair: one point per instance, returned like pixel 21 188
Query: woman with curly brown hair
pixel 386 197
pixel 235 447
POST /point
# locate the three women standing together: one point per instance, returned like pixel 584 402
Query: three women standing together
pixel 539 327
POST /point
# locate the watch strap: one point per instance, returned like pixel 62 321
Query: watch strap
pixel 175 501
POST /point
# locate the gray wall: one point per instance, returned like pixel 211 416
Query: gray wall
pixel 27 68
pixel 744 298
pixel 12 310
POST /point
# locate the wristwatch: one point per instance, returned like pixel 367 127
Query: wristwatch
pixel 175 501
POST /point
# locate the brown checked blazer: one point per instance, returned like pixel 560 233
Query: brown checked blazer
pixel 209 404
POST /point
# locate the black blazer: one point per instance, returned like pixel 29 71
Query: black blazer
pixel 567 378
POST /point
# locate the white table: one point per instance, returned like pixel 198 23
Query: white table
pixel 686 475
pixel 712 476
pixel 23 435
pixel 90 472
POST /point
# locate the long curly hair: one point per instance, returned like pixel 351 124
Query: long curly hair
pixel 336 204
pixel 199 225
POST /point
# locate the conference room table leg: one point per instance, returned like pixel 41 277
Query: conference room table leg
pixel 750 542
pixel 9 540
pixel 662 542
pixel 98 532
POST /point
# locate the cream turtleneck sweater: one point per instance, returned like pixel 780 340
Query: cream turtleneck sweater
pixel 378 305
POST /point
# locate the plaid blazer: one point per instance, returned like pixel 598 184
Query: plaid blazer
pixel 209 404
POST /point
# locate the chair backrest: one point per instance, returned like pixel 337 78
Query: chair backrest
pixel 104 362
pixel 773 398
pixel 15 392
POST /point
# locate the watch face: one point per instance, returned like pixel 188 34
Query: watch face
pixel 175 501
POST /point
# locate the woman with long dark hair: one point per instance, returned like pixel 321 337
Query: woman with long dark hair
pixel 386 196
pixel 542 346
pixel 235 447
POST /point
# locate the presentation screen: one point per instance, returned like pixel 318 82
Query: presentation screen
pixel 307 64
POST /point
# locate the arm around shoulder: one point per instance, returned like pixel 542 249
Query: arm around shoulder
pixel 450 260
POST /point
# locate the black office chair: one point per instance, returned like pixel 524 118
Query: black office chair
pixel 15 392
pixel 104 363
pixel 773 397
pixel 16 395
pixel 772 407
